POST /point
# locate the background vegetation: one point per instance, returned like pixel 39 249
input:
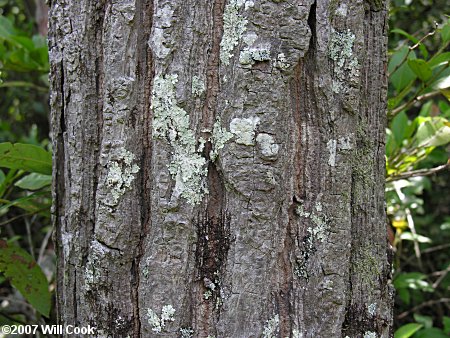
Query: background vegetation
pixel 417 149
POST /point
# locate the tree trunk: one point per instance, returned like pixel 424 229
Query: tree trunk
pixel 219 167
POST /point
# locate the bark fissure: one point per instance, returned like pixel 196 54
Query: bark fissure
pixel 99 81
pixel 145 73
pixel 213 227
pixel 215 201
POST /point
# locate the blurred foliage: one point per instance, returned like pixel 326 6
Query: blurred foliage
pixel 23 75
pixel 417 151
pixel 27 261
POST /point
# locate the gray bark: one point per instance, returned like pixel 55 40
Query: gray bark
pixel 223 159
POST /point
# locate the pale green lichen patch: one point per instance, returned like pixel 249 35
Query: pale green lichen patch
pixel 234 25
pixel 317 233
pixel 207 294
pixel 281 62
pixel 342 10
pixel 272 327
pixel 267 145
pixel 332 145
pixel 370 334
pixel 346 66
pixel 296 334
pixel 120 175
pixel 372 309
pixel 244 130
pixel 159 323
pixel 249 56
pixel 198 86
pixel 171 122
pixel 220 136
pixel 318 218
pixel 186 332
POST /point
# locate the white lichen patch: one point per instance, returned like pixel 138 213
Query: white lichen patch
pixel 158 43
pixel 296 334
pixel 316 233
pixel 249 38
pixel 244 130
pixel 342 9
pixel 370 334
pixel 332 145
pixel 346 66
pixel 249 56
pixel 345 143
pixel 159 323
pixel 198 86
pixel 186 332
pixel 207 294
pixel 120 175
pixel 220 136
pixel 171 122
pixel 320 222
pixel 372 309
pixel 272 327
pixel 249 4
pixel 269 149
pixel 164 16
pixel 281 62
pixel 234 25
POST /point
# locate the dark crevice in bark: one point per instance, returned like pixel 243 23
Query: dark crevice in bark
pixel 74 297
pixel 215 182
pixel 283 298
pixel 347 323
pixel 144 74
pixel 213 243
pixel 312 20
pixel 212 227
pixel 99 76
pixel 62 117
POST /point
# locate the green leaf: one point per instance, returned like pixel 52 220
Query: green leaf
pixel 407 330
pixel 439 60
pixel 426 321
pixel 412 280
pixel 25 157
pixel 6 27
pixel 432 132
pixel 397 58
pixel 26 276
pixel 413 39
pixel 2 176
pixel 446 323
pixel 420 68
pixel 401 127
pixel 445 33
pixel 432 332
pixel 404 295
pixel 28 203
pixel 34 181
pixel 391 144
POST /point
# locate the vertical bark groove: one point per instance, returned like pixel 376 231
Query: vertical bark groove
pixel 144 72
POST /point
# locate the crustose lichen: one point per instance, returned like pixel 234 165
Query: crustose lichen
pixel 120 175
pixel 234 25
pixel 346 66
pixel 157 323
pixel 171 122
